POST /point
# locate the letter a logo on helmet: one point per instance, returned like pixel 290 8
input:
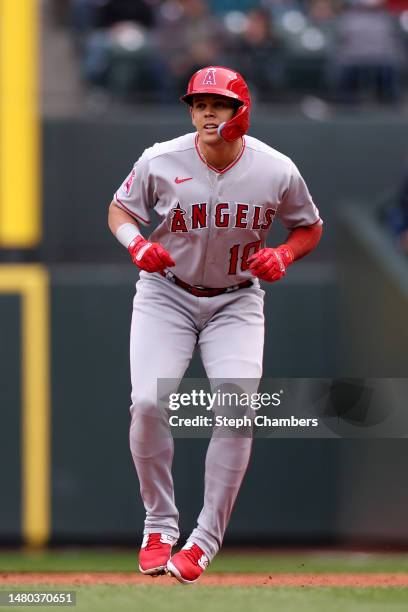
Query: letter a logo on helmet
pixel 209 78
pixel 223 82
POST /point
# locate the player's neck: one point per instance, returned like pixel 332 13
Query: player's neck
pixel 221 154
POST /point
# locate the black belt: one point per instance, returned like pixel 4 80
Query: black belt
pixel 199 291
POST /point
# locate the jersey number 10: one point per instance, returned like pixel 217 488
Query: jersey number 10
pixel 248 250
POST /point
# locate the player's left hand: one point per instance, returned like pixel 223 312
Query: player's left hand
pixel 270 264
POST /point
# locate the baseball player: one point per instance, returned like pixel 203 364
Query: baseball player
pixel 217 193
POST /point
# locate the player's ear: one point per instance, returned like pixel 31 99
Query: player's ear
pixel 192 115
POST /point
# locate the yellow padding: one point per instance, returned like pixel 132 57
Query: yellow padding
pixel 20 215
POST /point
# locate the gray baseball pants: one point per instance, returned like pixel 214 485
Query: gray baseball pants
pixel 167 324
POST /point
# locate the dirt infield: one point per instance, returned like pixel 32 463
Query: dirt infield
pixel 219 579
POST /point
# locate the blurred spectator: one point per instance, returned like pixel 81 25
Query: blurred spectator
pixel 188 37
pixel 322 12
pixel 116 46
pixel 258 53
pixel 368 53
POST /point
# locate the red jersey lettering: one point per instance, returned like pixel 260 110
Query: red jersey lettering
pixel 221 220
pixel 268 218
pixel 199 215
pixel 241 219
pixel 178 223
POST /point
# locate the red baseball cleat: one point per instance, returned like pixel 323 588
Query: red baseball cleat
pixel 155 552
pixel 188 564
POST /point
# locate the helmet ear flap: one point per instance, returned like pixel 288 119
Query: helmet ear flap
pixel 237 126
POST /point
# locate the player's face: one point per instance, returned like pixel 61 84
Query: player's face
pixel 207 113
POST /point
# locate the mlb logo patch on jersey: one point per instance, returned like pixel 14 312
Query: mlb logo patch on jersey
pixel 209 78
pixel 129 182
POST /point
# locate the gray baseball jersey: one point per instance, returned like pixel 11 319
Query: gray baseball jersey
pixel 211 220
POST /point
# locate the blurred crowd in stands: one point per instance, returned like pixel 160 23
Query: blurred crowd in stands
pixel 346 51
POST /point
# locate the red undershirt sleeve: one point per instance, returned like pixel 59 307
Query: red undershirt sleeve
pixel 302 240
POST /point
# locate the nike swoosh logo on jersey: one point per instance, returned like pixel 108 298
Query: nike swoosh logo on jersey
pixel 182 180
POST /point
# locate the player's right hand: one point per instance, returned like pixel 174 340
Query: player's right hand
pixel 149 256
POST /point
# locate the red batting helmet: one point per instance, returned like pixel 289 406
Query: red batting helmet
pixel 223 82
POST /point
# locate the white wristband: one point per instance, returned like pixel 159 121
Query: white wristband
pixel 126 233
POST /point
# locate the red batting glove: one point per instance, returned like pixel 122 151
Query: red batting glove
pixel 149 256
pixel 270 264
